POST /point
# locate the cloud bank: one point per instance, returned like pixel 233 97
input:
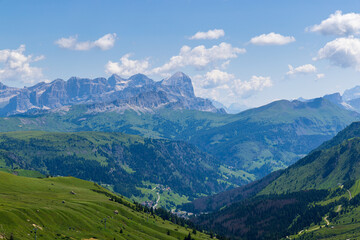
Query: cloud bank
pixel 225 87
pixel 198 57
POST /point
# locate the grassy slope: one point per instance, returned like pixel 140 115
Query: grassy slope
pixel 29 202
pixel 332 166
pixel 23 172
pixel 346 225
pixel 161 124
pixel 322 169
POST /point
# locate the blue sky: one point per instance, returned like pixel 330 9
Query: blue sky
pixel 244 58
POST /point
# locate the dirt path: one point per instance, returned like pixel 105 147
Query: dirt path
pixel 158 200
pixel 338 209
pixel 350 197
pixel 326 220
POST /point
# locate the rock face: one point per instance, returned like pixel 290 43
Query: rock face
pixel 115 93
pixel 180 84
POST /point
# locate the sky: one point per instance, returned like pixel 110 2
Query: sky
pixel 243 52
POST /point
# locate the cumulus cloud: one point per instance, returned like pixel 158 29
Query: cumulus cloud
pixel 106 42
pixel 304 69
pixel 215 78
pixel 272 39
pixel 222 93
pixel 16 66
pixel 343 52
pixel 127 67
pixel 211 34
pixel 255 84
pixel 338 24
pixel 225 87
pixel 199 57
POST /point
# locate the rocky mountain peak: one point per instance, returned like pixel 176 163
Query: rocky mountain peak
pixel 60 81
pixel 114 79
pixel 179 78
pixel 139 80
pixel 181 82
pixel 334 98
pixel 3 86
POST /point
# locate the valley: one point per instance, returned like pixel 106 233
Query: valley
pixel 183 120
pixel 315 198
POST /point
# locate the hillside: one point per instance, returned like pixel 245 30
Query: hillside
pixel 333 163
pixel 320 190
pixel 220 200
pixel 274 136
pixel 125 163
pixel 255 142
pixel 69 208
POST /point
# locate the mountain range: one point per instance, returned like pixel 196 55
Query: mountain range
pixel 137 92
pixel 287 160
pixel 252 143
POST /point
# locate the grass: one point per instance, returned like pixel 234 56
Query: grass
pixel 346 225
pixel 228 173
pixel 116 159
pixel 355 189
pixel 168 198
pixel 23 173
pixel 48 205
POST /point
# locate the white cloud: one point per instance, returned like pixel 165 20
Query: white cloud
pixel 343 52
pixel 222 93
pixel 338 24
pixel 320 75
pixel 15 66
pixel 106 42
pixel 272 39
pixel 211 34
pixel 199 57
pixel 247 88
pixel 215 78
pixel 127 67
pixel 304 69
pixel 226 88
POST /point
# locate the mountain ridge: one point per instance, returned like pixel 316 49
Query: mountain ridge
pixel 59 93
